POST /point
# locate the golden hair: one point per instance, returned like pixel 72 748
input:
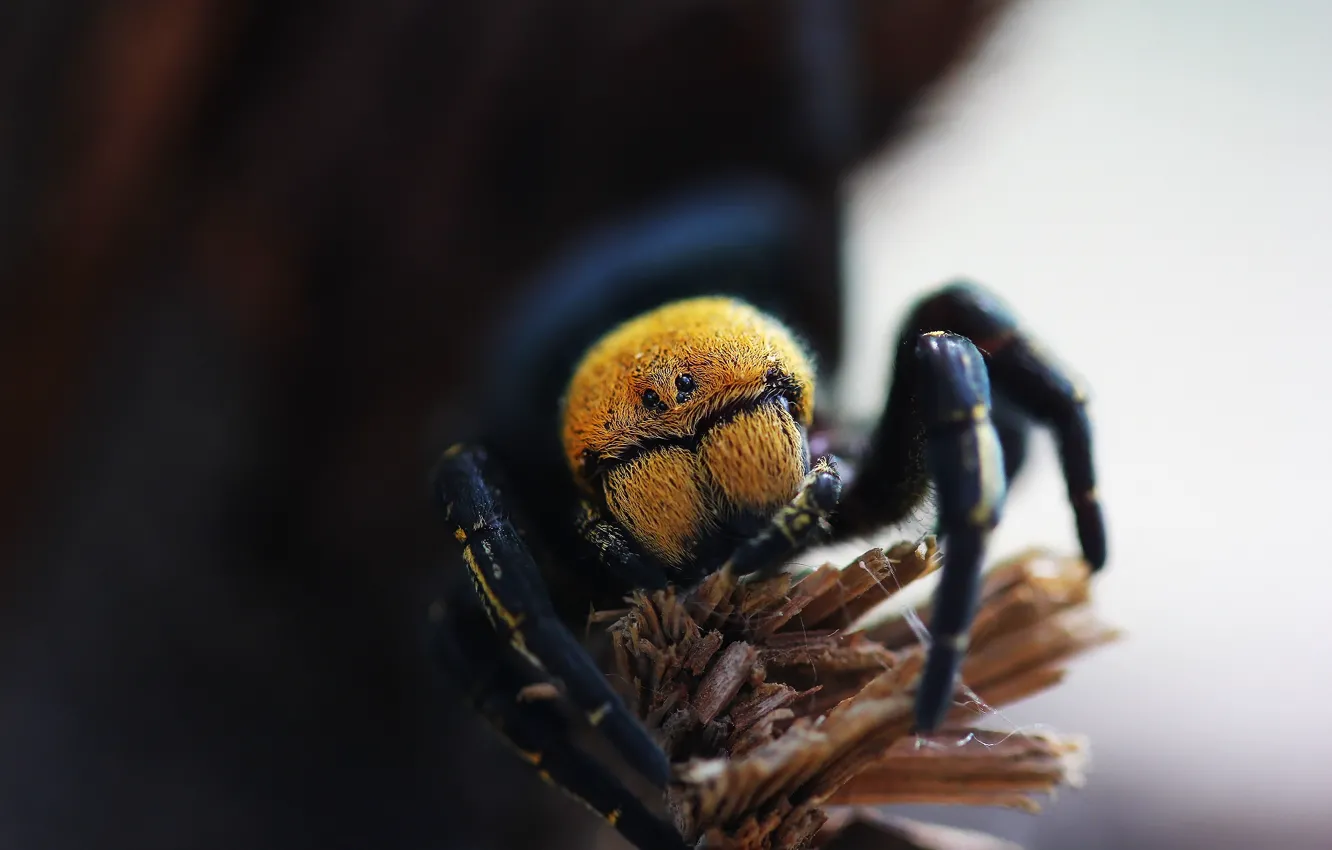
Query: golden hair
pixel 752 458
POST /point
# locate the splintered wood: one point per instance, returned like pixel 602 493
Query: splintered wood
pixel 778 698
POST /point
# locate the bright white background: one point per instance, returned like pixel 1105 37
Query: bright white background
pixel 1149 185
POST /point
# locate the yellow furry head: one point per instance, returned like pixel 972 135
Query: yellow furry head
pixel 690 415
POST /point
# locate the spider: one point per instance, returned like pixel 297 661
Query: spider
pixel 652 415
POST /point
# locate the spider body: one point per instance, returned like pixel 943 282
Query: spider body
pixel 652 424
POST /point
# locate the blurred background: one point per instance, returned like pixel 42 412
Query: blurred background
pixel 249 256
pixel 1149 186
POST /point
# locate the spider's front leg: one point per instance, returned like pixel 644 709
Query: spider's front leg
pixel 510 588
pixel 965 459
pixel 939 429
pixel 1028 387
pixel 609 545
pixel 794 526
pixel 505 690
pixel 940 425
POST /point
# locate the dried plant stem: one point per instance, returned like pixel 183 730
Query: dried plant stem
pixel 778 698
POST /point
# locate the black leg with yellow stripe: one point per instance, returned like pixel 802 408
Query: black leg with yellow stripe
pixel 509 693
pixel 609 545
pixel 965 460
pixel 510 588
pixel 795 526
pixel 937 428
pixel 940 426
pixel 1029 388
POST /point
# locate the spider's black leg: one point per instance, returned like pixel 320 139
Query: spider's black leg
pixel 509 585
pixel 1028 386
pixel 937 427
pixel 795 526
pixel 965 460
pixel 612 548
pixel 909 447
pixel 1014 428
pixel 495 678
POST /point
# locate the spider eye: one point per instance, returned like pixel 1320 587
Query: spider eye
pixel 652 401
pixel 588 459
pixel 685 384
pixel 788 386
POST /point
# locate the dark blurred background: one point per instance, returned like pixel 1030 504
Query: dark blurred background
pixel 251 257
pixel 251 260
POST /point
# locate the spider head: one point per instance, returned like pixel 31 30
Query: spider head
pixel 689 421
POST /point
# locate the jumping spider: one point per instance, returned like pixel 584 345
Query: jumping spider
pixel 686 432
